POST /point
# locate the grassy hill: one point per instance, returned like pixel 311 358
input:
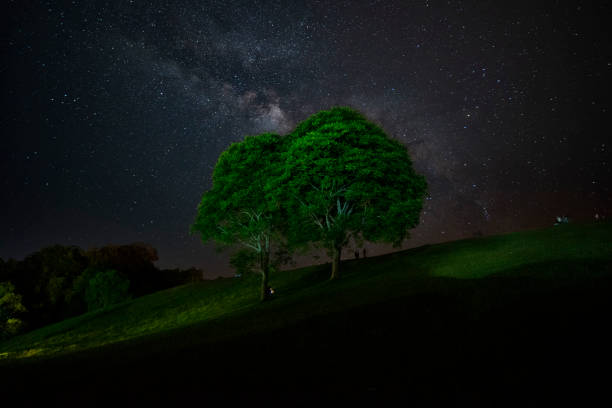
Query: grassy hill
pixel 484 321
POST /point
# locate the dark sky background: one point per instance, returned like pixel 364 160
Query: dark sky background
pixel 114 112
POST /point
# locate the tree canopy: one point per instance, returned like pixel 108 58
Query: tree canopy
pixel 106 288
pixel 344 178
pixel 52 281
pixel 336 177
pixel 11 308
pixel 236 210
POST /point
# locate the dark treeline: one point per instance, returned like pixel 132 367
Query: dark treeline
pixel 59 281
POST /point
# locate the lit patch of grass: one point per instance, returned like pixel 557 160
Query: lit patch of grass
pixel 227 308
pixel 31 352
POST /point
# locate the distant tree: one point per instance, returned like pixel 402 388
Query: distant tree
pixel 106 288
pixel 80 286
pixel 344 178
pixel 45 279
pixel 135 261
pixel 9 270
pixel 236 211
pixel 52 282
pixel 11 309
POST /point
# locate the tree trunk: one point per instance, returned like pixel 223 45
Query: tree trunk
pixel 336 262
pixel 265 272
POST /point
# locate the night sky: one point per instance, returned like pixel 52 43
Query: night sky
pixel 114 113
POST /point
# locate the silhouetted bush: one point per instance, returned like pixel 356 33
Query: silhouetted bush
pixel 106 288
pixel 53 282
pixel 11 309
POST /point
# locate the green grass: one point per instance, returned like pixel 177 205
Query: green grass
pixel 168 309
pixel 437 307
pixel 306 292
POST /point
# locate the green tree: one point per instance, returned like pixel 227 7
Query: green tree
pixel 106 288
pixel 236 211
pixel 134 261
pixel 244 261
pixel 11 308
pixel 45 279
pixel 80 286
pixel 345 178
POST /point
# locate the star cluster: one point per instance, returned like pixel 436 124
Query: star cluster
pixel 114 113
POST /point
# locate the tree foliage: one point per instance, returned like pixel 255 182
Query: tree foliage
pixel 344 178
pixel 336 177
pixel 106 288
pixel 45 280
pixel 135 261
pixel 52 282
pixel 236 210
pixel 11 310
pixel 244 261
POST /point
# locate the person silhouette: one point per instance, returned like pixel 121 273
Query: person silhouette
pixel 364 252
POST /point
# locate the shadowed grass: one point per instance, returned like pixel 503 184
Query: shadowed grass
pixel 471 318
pixel 306 292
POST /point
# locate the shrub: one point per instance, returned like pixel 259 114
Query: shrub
pixel 106 288
pixel 10 308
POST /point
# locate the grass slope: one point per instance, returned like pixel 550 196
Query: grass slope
pixel 484 320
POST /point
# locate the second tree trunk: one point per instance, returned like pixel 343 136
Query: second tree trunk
pixel 336 263
pixel 265 271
